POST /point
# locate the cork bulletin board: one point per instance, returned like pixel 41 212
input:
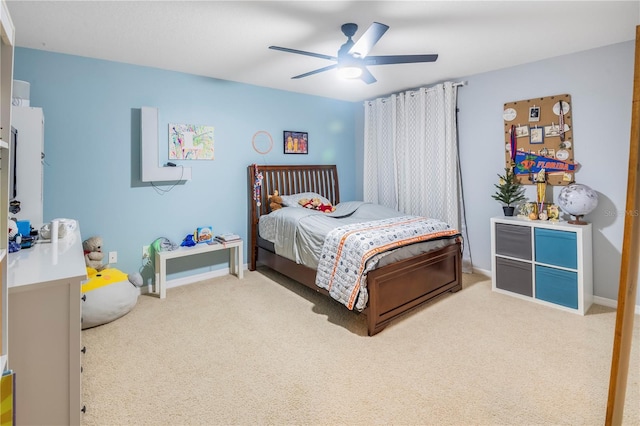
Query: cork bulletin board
pixel 538 134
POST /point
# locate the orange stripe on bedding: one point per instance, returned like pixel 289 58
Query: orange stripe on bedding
pixel 373 252
pixel 349 233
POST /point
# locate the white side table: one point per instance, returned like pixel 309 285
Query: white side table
pixel 235 261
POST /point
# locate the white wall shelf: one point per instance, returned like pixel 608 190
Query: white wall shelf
pixel 151 171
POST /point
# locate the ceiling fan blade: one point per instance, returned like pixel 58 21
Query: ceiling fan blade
pixel 302 52
pixel 363 46
pixel 399 59
pixel 307 74
pixel 367 77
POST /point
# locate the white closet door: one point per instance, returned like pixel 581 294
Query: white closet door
pixel 29 122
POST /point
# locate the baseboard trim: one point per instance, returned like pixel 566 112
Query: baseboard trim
pixel 610 303
pixel 192 279
pixel 485 272
pixel 225 271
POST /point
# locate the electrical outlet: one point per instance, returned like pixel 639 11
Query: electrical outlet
pixel 145 252
pixel 113 257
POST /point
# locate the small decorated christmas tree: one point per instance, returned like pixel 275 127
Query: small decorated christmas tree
pixel 510 190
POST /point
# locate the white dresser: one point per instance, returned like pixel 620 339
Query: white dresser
pixel 45 332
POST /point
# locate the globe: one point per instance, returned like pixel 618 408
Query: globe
pixel 577 200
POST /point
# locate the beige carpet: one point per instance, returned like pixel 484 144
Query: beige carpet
pixel 265 350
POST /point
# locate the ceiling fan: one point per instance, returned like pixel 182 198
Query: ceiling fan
pixel 352 60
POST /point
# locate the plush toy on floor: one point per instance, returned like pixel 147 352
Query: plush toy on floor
pixel 109 295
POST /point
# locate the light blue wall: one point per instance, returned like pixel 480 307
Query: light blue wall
pixel 92 148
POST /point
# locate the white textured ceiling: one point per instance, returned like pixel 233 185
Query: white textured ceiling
pixel 229 39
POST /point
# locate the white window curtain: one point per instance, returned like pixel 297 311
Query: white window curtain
pixel 411 156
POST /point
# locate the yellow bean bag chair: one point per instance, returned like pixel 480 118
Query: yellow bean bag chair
pixel 109 295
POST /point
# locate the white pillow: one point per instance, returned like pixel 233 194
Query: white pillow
pixel 292 200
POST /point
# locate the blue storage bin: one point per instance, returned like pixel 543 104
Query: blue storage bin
pixel 557 286
pixel 556 247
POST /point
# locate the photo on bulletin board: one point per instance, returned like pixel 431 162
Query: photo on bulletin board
pixel 522 131
pixel 534 113
pixel 547 152
pixel 551 131
pixel 537 135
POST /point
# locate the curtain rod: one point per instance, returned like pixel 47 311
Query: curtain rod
pixel 456 84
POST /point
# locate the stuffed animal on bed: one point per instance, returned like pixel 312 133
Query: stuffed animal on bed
pixel 326 208
pixel 309 203
pixel 316 204
pixel 93 253
pixel 275 201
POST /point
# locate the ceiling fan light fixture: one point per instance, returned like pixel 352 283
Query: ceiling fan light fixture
pixel 353 60
pixel 349 71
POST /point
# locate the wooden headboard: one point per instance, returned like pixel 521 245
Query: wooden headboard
pixel 322 179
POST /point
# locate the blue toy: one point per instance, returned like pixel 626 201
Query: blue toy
pixel 188 241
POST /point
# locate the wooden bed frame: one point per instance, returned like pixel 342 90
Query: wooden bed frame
pixel 393 289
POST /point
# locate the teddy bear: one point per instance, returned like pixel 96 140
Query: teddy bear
pixel 316 204
pixel 309 203
pixel 275 201
pixel 93 253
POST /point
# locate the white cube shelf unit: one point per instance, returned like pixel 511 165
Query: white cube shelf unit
pixel 543 261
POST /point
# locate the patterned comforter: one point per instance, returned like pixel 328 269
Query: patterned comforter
pixel 349 252
pixel 346 244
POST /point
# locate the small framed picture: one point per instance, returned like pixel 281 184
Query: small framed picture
pixel 534 113
pixel 537 135
pixel 296 142
pixel 522 131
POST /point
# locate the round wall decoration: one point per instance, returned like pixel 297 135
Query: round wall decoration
pixel 263 139
pixel 509 114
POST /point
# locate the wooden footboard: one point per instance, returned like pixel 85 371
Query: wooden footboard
pixel 402 286
pixel 394 289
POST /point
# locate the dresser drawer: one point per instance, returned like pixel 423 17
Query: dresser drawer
pixel 514 276
pixel 556 247
pixel 557 286
pixel 513 241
